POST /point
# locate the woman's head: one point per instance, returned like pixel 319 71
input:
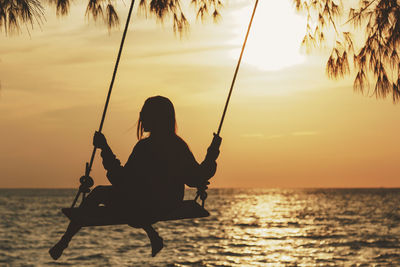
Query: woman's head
pixel 157 116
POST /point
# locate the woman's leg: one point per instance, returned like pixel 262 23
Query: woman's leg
pixel 99 195
pixel 157 243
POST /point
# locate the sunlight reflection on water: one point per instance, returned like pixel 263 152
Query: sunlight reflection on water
pixel 325 227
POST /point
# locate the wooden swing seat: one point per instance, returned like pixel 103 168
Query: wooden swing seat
pixel 101 216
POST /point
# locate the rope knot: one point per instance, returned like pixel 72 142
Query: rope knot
pixel 201 192
pixel 86 183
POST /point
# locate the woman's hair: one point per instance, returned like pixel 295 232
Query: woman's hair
pixel 158 114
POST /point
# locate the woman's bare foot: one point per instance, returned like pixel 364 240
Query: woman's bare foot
pixel 157 244
pixel 57 250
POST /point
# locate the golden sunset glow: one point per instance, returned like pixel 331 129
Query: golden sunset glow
pixel 287 125
pixel 270 48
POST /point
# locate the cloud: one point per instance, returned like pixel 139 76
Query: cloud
pixel 20 49
pixel 252 135
pixel 73 59
pixel 186 51
pixel 275 136
pixel 304 133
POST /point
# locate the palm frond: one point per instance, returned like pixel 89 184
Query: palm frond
pixel 378 54
pixel 17 13
pixel 94 9
pixel 112 19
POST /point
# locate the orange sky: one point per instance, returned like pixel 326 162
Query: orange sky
pixel 287 125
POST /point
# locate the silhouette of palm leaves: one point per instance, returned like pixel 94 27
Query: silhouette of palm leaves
pixel 162 9
pixel 17 13
pixel 378 53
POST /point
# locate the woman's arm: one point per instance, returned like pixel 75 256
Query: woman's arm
pixel 196 174
pixel 112 165
pixel 110 162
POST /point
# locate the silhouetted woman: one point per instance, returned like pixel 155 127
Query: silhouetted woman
pixel 151 183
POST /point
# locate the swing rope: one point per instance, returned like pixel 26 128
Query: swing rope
pixel 237 69
pixel 87 182
pixel 201 190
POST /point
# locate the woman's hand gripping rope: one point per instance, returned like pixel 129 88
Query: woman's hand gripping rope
pixel 211 157
pixel 99 140
pixel 213 149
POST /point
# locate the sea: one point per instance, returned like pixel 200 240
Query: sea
pixel 247 227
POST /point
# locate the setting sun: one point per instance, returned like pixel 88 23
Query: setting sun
pixel 270 48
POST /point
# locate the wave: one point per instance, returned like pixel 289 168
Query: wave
pixel 319 237
pixel 387 256
pixel 255 225
pixel 89 257
pixel 361 244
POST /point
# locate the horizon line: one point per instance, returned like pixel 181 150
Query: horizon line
pixel 380 187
